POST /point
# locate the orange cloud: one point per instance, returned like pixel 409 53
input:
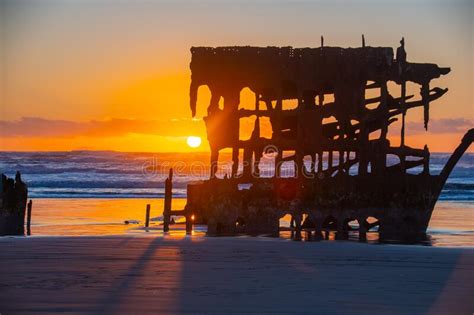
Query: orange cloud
pixel 40 127
pixel 441 126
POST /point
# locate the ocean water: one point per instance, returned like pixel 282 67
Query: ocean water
pixel 94 193
pixel 92 174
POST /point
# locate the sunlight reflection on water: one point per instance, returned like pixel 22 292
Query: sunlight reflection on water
pixel 451 224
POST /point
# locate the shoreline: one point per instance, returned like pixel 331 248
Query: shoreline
pixel 130 274
pixel 178 233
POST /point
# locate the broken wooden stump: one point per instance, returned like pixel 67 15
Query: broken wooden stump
pixel 13 198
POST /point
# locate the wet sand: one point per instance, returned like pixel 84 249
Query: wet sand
pixel 126 274
pixel 451 225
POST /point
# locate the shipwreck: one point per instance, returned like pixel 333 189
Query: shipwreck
pixel 335 137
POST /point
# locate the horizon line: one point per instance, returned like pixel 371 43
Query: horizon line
pixel 117 151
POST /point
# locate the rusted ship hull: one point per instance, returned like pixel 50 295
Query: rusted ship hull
pixel 403 208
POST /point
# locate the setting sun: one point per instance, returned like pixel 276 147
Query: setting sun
pixel 193 141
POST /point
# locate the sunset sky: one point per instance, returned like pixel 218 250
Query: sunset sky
pixel 114 75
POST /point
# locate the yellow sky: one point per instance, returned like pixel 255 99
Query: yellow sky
pixel 87 66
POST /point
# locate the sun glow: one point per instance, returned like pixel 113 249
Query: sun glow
pixel 193 141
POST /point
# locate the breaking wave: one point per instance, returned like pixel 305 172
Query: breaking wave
pixel 107 174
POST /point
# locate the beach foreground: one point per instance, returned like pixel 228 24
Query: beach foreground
pixel 126 274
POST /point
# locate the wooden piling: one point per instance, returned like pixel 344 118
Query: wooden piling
pixel 147 218
pixel 189 221
pixel 28 217
pixel 329 161
pixel 298 228
pixel 168 198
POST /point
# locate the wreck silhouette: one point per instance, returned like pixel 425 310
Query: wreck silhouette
pixel 325 195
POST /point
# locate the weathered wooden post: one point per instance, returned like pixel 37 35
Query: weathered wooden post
pixel 329 161
pixel 168 198
pixel 318 230
pixel 147 218
pixel 28 217
pixel 320 162
pixel 189 220
pixel 362 229
pixel 297 234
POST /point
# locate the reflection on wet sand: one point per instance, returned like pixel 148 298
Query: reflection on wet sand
pixel 100 217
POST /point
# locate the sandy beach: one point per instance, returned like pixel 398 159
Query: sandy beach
pixel 137 275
